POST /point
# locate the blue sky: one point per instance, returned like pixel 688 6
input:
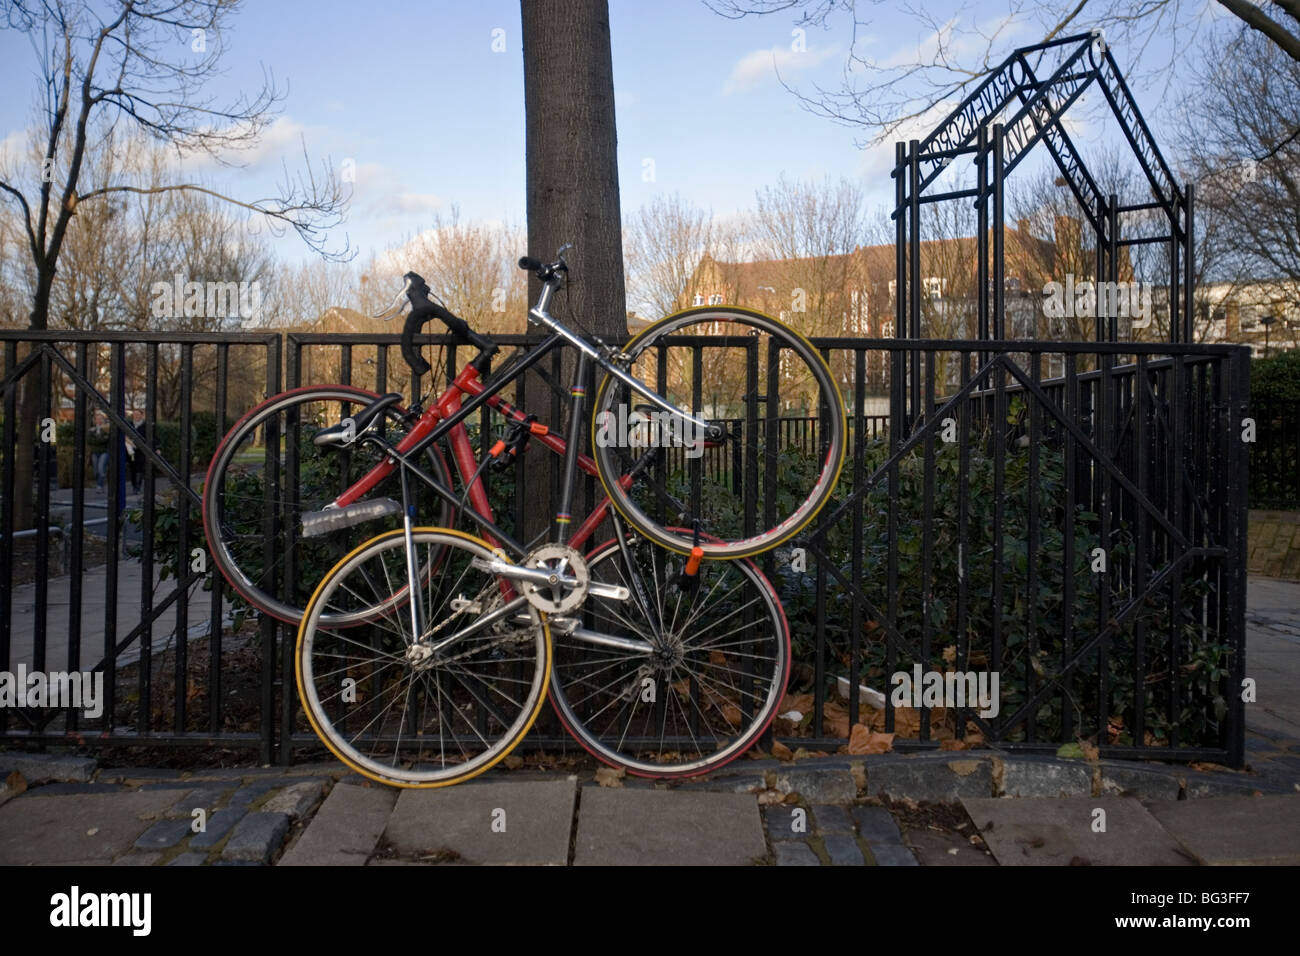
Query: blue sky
pixel 414 95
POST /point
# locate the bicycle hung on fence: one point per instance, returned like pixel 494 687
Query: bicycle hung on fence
pixel 424 653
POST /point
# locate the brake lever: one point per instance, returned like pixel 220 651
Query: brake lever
pixel 397 307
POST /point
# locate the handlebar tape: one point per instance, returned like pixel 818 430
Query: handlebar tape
pixel 458 327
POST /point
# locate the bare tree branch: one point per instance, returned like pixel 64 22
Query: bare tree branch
pixel 887 95
pixel 1257 19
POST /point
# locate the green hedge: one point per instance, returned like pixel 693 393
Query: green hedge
pixel 1276 378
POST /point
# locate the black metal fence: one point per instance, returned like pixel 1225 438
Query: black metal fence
pixel 1080 536
pixel 1275 454
pixel 112 580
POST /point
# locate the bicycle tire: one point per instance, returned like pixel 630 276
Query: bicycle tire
pixel 471 711
pixel 242 566
pixel 735 677
pixel 748 506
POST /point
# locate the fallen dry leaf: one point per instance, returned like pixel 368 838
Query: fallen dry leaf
pixel 1090 750
pixel 610 776
pixel 780 751
pixel 953 744
pixel 863 741
pixel 800 702
pixel 835 719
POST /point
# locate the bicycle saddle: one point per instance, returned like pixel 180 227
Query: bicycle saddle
pixel 348 430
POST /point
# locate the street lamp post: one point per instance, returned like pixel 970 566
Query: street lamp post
pixel 1267 321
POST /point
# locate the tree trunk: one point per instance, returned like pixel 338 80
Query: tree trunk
pixel 28 410
pixel 572 172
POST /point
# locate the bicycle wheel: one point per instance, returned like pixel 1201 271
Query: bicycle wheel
pixel 428 712
pixel 707 682
pixel 782 451
pixel 239 487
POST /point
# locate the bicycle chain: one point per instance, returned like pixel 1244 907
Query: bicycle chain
pixel 474 650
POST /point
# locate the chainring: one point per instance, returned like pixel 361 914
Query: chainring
pixel 543 597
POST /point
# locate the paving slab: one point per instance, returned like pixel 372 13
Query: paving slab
pixel 498 822
pixel 938 778
pixel 345 830
pixel 817 784
pixel 1059 831
pixel 163 835
pixel 1120 779
pixel 102 826
pixel 1271 653
pixel 37 767
pixel 668 828
pixel 1223 831
pixel 1030 776
pixel 138 859
pixel 297 801
pixel 933 848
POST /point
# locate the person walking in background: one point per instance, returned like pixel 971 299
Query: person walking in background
pixel 135 455
pixel 97 443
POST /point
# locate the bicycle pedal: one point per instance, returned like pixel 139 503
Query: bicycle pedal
pixel 315 523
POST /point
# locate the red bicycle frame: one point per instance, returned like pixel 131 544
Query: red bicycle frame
pixel 447 405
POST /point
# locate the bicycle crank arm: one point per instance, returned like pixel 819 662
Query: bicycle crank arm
pixel 548 579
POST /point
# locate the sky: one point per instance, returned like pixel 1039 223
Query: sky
pixel 424 101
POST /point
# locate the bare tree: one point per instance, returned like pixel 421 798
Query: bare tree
pixel 663 246
pixel 472 267
pixel 809 231
pixel 884 95
pixel 142 64
pixel 469 265
pixel 1245 156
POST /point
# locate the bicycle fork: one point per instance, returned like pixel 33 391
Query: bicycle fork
pixel 412 563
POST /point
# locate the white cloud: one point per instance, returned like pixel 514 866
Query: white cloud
pixel 280 140
pixel 14 148
pixel 753 68
pixel 406 204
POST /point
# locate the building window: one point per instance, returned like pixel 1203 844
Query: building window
pixel 887 329
pixel 893 288
pixel 934 286
pixel 698 300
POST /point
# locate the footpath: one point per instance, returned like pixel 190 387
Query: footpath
pixel 976 808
